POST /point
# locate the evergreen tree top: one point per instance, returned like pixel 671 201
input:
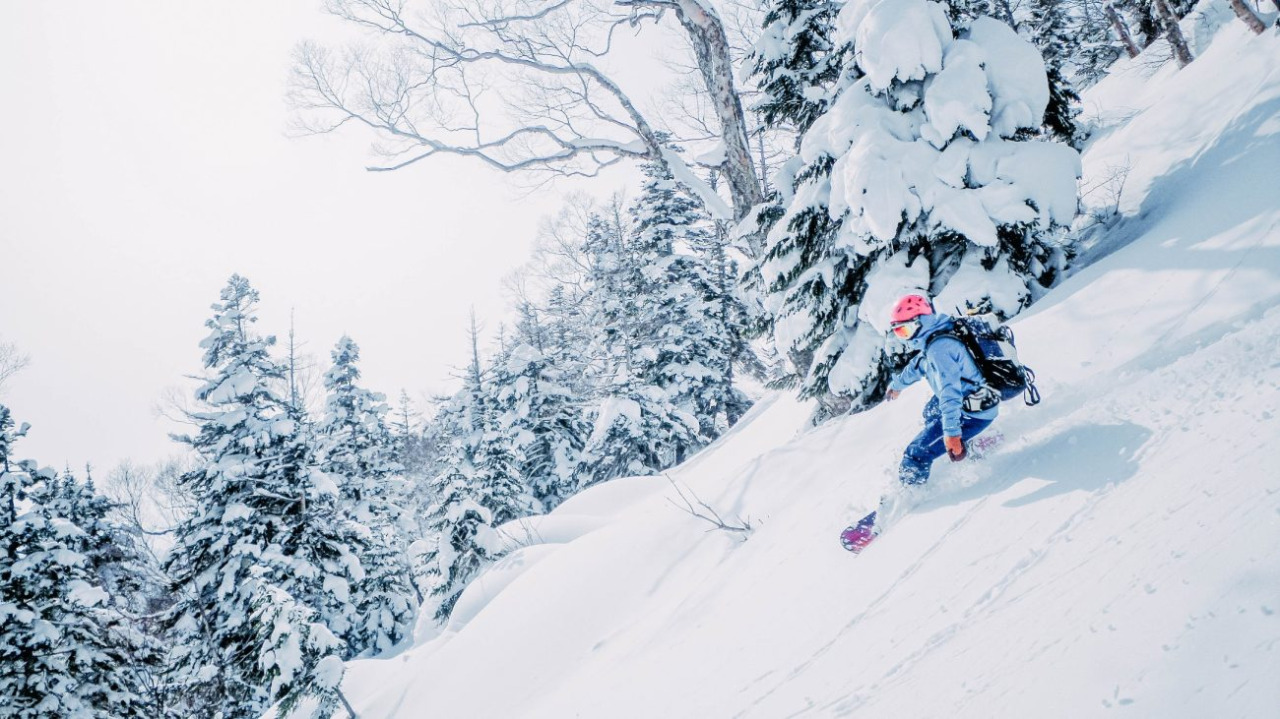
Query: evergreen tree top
pixel 345 354
pixel 239 356
pixel 9 434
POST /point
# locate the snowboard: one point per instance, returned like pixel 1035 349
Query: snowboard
pixel 856 537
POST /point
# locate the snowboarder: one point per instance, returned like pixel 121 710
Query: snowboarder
pixel 962 405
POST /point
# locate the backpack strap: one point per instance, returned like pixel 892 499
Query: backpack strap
pixel 953 335
pixel 968 350
pixel 944 333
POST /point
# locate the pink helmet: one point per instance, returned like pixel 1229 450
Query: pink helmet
pixel 911 307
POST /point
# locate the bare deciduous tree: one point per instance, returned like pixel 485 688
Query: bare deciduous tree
pixel 151 500
pixel 1174 32
pixel 1122 30
pixel 711 49
pixel 521 85
pixel 12 361
pixel 1248 16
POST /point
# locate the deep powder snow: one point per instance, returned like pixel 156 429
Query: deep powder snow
pixel 1118 552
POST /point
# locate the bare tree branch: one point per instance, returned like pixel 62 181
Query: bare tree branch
pixel 711 48
pixel 496 22
pixel 434 67
pixel 704 511
pixel 12 361
pixel 519 85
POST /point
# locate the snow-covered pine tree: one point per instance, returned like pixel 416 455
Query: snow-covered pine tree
pixel 296 656
pixel 405 424
pixel 66 649
pixel 418 449
pixel 786 76
pixel 731 318
pixel 428 442
pixel 963 12
pixel 566 331
pixel 501 488
pixel 129 573
pixel 795 62
pixel 1048 26
pixel 671 331
pixel 686 313
pixel 797 68
pixel 922 176
pixel 460 537
pixel 265 524
pixel 358 451
pixel 805 284
pixel 462 540
pixel 480 488
pixel 639 429
pixel 544 420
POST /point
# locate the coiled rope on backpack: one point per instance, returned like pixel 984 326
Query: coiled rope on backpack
pixel 1031 395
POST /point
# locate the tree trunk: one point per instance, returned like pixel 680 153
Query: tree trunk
pixel 1247 15
pixel 711 47
pixel 1174 33
pixel 1123 31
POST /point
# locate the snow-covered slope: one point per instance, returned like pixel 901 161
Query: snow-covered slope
pixel 1119 552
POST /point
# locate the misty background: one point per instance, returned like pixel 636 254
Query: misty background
pixel 147 156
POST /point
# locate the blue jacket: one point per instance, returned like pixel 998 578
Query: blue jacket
pixel 949 369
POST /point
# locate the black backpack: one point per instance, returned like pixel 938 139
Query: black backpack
pixel 992 347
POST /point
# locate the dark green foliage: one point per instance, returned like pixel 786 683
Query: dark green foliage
pixel 265 525
pixel 1048 24
pixel 796 62
pixel 68 647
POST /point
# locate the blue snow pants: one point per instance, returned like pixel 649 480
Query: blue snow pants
pixel 928 445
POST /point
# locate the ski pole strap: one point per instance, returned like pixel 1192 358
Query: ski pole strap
pixel 1032 395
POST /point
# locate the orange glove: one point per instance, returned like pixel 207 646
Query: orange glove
pixel 955 448
pixel 892 394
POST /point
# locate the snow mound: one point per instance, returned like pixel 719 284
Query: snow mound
pixel 554 528
pixel 484 588
pixel 610 498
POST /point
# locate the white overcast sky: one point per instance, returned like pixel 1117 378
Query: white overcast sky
pixel 144 158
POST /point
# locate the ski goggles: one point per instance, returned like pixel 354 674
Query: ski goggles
pixel 905 330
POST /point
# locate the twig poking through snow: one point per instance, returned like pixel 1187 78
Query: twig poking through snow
pixel 704 511
pixel 347 705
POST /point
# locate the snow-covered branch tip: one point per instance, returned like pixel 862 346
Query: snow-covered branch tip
pixel 700 509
